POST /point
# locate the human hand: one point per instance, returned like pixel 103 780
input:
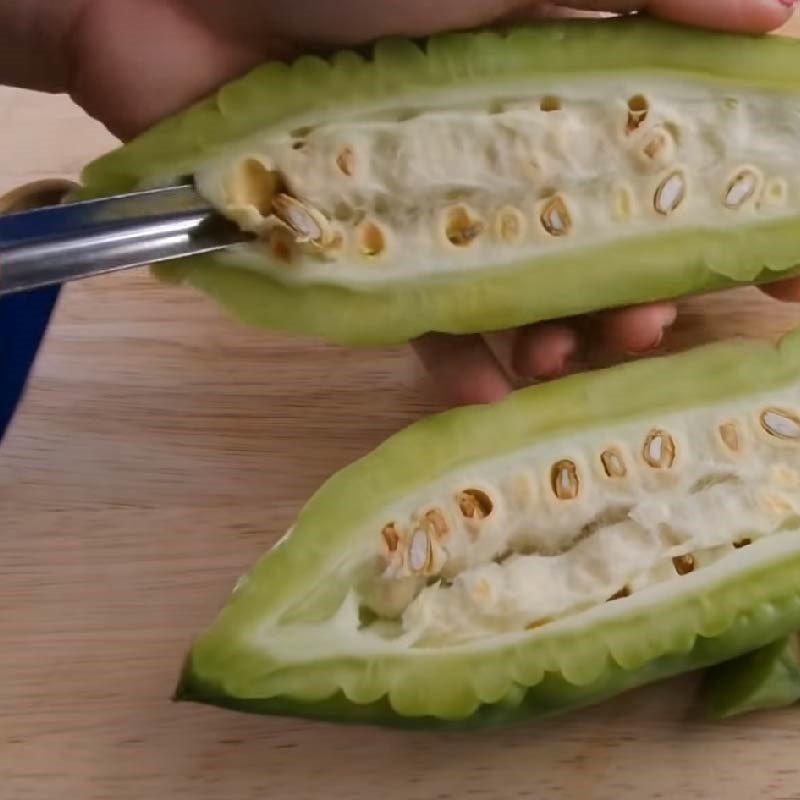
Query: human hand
pixel 131 62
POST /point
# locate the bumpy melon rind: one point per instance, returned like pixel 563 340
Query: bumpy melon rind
pixel 553 695
pixel 554 669
pixel 649 268
pixel 624 274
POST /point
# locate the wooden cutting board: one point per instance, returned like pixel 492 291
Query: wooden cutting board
pixel 160 449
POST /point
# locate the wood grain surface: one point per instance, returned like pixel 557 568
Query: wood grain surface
pixel 160 449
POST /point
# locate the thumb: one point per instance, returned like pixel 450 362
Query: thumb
pixel 744 16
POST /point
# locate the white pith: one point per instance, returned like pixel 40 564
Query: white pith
pixel 497 153
pixel 532 566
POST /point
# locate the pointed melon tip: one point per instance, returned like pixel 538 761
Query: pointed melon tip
pixel 186 688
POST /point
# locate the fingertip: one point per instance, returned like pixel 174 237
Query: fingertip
pixel 739 16
pixel 485 390
pixel 544 351
pixel 463 369
pixel 638 329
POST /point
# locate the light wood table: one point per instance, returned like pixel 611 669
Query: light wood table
pixel 160 449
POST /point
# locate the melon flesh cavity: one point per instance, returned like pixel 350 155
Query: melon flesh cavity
pixel 487 179
pixel 550 532
pixel 497 562
pixel 482 179
pixel 569 524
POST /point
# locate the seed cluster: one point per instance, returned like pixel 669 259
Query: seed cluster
pixel 444 539
pixel 458 187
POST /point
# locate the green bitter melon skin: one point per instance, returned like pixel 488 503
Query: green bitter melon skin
pixel 690 252
pixel 286 643
pixel 766 678
pixel 553 696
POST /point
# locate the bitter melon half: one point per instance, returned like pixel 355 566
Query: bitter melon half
pixel 499 562
pixel 485 179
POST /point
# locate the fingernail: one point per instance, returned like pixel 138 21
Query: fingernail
pixel 788 3
pixel 654 345
pixel 556 369
pixel 658 341
pixel 559 367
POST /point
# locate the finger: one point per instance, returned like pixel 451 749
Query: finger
pixel 544 11
pixel 637 329
pixel 753 16
pixel 544 351
pixel 463 368
pixel 150 59
pixel 787 291
pixel 352 21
